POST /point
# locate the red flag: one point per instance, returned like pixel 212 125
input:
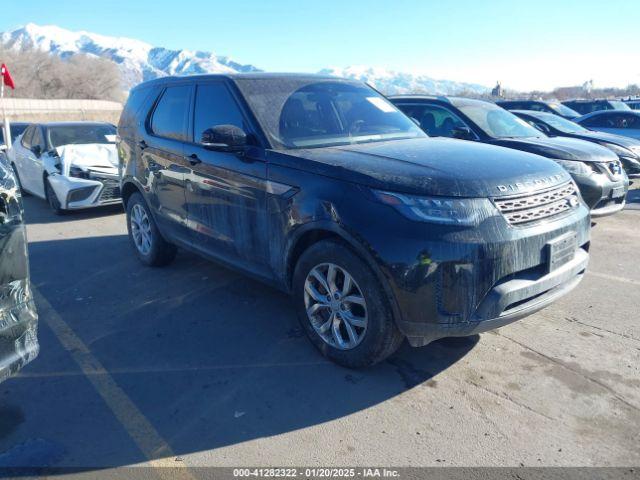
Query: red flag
pixel 6 77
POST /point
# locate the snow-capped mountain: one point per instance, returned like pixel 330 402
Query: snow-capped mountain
pixel 390 82
pixel 139 61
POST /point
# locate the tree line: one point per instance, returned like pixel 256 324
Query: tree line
pixel 38 74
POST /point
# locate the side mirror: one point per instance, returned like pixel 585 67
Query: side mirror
pixel 37 150
pixel 224 137
pixel 463 133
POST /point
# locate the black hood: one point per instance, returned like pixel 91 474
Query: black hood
pixel 561 148
pixel 429 166
pixel 619 140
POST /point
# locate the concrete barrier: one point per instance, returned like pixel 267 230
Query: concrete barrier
pixel 35 110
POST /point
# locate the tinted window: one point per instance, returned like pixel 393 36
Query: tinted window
pixel 80 134
pixel 134 102
pixel 16 130
pixel 215 106
pixel 435 121
pixel 170 116
pixel 38 139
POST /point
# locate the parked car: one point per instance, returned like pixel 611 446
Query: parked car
pixel 72 165
pixel 16 129
pixel 324 189
pixel 18 317
pixel 587 106
pixel 627 149
pixel 597 171
pixel 555 108
pixel 616 122
pixel 633 104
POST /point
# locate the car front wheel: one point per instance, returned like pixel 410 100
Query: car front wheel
pixel 149 245
pixel 342 306
pixel 52 198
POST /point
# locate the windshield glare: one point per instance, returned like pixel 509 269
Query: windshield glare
pixel 563 110
pixel 618 105
pixel 300 114
pixel 562 124
pixel 497 122
pixel 80 134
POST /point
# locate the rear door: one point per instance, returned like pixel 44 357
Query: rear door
pixel 226 191
pixel 18 318
pixel 162 152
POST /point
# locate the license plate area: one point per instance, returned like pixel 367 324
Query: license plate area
pixel 561 250
pixel 617 192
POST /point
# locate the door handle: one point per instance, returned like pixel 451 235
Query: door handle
pixel 194 160
pixel 142 144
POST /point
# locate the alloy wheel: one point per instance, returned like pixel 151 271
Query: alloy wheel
pixel 141 229
pixel 335 306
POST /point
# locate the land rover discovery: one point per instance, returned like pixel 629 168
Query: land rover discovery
pixel 321 187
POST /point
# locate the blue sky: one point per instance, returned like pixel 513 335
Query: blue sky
pixel 525 44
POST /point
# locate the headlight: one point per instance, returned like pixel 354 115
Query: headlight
pixel 576 167
pixel 620 151
pixel 77 172
pixel 454 211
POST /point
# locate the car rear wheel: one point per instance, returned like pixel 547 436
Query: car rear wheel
pixel 342 306
pixel 149 245
pixel 52 198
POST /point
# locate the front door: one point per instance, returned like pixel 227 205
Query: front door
pixel 226 191
pixel 31 175
pixel 161 149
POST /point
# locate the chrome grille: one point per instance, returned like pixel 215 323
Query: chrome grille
pixel 531 207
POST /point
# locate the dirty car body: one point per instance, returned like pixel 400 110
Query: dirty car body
pixel 73 165
pixel 596 170
pixel 462 237
pixel 18 317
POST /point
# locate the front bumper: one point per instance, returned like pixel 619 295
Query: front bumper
pixel 455 281
pixel 80 193
pixel 605 195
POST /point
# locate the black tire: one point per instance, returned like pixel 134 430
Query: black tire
pixel 52 198
pixel 381 337
pixel 161 252
pixel 23 192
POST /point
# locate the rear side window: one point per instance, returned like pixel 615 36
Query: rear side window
pixel 215 106
pixel 38 139
pixel 26 138
pixel 170 116
pixel 133 105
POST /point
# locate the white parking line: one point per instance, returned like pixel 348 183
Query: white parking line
pixel 615 278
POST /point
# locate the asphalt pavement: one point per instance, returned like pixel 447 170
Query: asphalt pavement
pixel 195 365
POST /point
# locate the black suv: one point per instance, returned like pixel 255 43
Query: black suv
pixel 540 106
pixel 587 106
pixel 597 171
pixel 323 188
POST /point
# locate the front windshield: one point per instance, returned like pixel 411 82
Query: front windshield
pixel 79 134
pixel 497 122
pixel 563 110
pixel 303 113
pixel 618 105
pixel 561 124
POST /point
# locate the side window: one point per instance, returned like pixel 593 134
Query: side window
pixel 435 121
pixel 602 121
pixel 215 106
pixel 26 138
pixel 170 116
pixel 536 107
pixel 38 139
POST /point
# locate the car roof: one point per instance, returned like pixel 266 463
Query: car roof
pixel 71 124
pixel 239 76
pixel 603 112
pixel 455 101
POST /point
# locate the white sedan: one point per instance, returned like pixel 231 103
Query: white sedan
pixel 71 165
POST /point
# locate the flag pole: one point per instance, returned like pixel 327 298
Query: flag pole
pixel 5 120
